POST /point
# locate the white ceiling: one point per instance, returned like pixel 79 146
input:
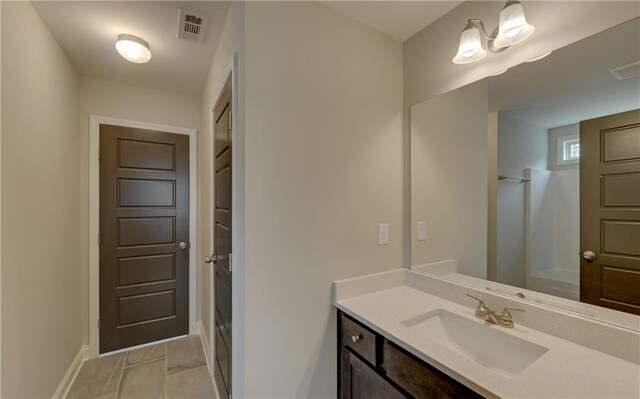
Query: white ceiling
pixel 398 19
pixel 573 83
pixel 87 32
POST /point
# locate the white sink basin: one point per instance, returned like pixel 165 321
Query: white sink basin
pixel 485 345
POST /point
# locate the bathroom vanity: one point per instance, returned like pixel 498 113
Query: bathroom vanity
pixel 372 366
pixel 405 334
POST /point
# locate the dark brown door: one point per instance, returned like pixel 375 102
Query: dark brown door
pixel 222 240
pixel 144 236
pixel 610 211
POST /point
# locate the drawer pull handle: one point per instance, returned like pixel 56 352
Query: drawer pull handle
pixel 356 338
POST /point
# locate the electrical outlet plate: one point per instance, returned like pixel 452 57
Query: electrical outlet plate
pixel 422 231
pixel 383 234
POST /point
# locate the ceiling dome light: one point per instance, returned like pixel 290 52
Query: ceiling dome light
pixel 133 49
pixel 470 48
pixel 513 26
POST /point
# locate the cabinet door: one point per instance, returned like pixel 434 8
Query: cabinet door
pixel 359 381
pixel 420 379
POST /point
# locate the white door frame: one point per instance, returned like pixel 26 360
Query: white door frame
pixel 230 71
pixel 94 218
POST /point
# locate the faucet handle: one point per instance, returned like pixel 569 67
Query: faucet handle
pixel 506 314
pixel 506 320
pixel 480 300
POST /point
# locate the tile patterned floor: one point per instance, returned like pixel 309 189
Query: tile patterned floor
pixel 173 370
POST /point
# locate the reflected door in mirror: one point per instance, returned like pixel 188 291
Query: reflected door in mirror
pixel 610 211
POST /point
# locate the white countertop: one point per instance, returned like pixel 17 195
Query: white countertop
pixel 566 370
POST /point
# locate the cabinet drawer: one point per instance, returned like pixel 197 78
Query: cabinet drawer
pixel 418 378
pixel 359 338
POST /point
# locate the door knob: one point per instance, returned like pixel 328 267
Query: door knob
pixel 183 245
pixel 589 255
pixel 211 259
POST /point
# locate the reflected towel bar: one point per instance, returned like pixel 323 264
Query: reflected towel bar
pixel 503 177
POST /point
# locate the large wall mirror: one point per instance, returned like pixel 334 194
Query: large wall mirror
pixel 527 183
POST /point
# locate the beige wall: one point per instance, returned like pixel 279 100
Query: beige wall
pixel 428 70
pixel 116 100
pixel 323 168
pixel 231 41
pixel 449 166
pixel 41 295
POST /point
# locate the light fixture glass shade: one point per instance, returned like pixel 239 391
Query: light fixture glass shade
pixel 470 48
pixel 513 26
pixel 133 49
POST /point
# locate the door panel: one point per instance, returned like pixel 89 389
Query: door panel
pixel 621 190
pixel 222 359
pixel 144 214
pixel 621 237
pixel 223 306
pixel 610 211
pixel 222 241
pixel 146 269
pixel 146 231
pixel 621 144
pixel 146 193
pixel 133 154
pixel 614 282
pixel 146 307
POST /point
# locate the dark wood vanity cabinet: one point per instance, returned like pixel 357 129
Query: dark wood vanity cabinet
pixel 372 367
pixel 360 381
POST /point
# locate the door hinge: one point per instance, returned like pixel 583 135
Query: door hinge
pixel 230 121
pixel 98 239
pixel 98 323
pixel 230 261
pixel 99 153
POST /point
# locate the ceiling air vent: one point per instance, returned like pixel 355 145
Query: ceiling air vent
pixel 191 27
pixel 627 71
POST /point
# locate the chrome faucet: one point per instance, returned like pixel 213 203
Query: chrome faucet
pixel 505 319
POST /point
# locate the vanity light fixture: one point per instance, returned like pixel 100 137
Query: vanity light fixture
pixel 513 26
pixel 133 49
pixel 470 48
pixel 513 29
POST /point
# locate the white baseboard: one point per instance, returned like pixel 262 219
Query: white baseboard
pixel 205 345
pixel 71 374
pixel 131 348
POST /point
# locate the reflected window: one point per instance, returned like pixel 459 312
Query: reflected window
pixel 568 150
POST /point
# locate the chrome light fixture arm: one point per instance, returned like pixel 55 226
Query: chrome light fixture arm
pixel 490 38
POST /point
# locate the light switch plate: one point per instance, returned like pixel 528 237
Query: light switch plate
pixel 422 231
pixel 383 234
